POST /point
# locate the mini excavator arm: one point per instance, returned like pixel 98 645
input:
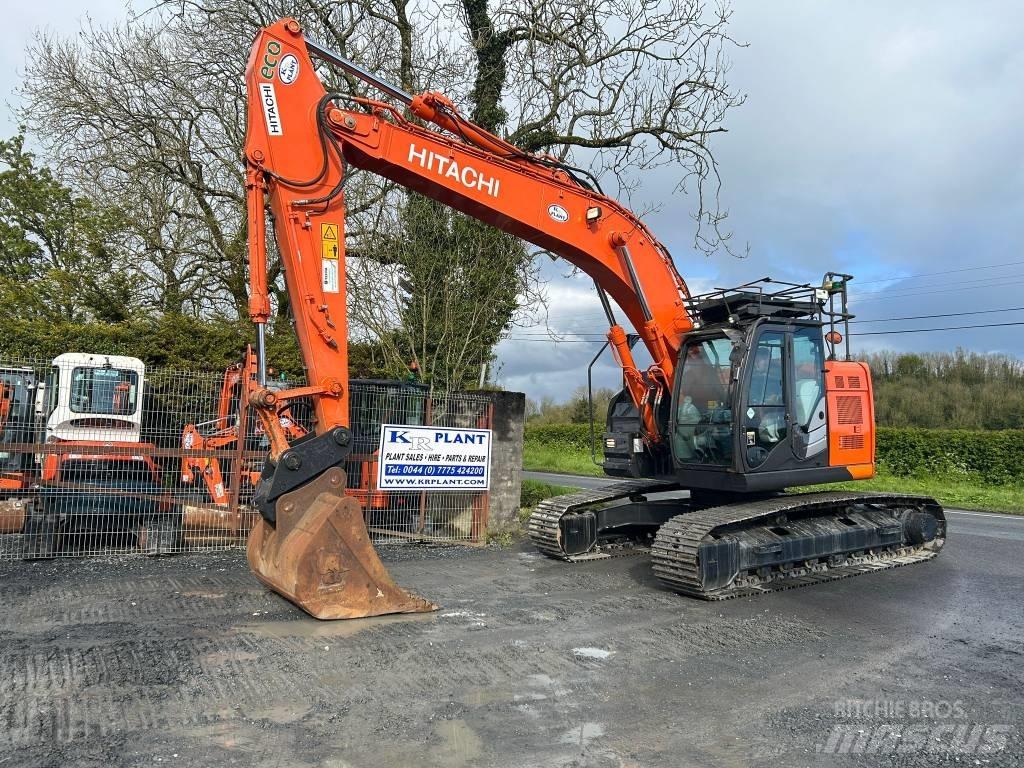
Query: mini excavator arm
pixel 5 405
pixel 298 141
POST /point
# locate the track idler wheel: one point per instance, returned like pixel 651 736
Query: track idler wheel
pixel 318 555
pixel 919 527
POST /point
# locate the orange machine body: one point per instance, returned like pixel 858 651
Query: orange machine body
pixel 310 236
pixel 851 417
pixel 290 115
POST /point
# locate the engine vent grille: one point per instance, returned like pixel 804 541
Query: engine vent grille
pixel 851 442
pixel 840 382
pixel 854 382
pixel 851 409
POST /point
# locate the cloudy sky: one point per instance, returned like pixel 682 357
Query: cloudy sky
pixel 880 139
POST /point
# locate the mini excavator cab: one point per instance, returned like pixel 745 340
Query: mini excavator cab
pixel 750 409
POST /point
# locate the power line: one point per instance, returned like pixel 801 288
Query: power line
pixel 890 297
pixel 929 330
pixel 943 272
pixel 886 294
pixel 947 314
pixel 557 341
pixel 544 335
pixel 883 294
pixel 556 334
pixel 899 290
pixel 864 333
pixel 884 280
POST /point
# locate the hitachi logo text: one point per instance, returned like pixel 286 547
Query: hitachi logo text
pixel 269 100
pixel 447 167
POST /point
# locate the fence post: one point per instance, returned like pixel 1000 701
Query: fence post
pixel 241 429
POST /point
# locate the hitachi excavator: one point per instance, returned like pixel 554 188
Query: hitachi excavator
pixel 745 397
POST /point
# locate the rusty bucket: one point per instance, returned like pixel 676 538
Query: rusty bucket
pixel 319 556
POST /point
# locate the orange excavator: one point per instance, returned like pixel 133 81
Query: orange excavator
pixel 375 400
pixel 745 397
pixel 226 429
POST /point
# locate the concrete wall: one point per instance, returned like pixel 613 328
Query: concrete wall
pixel 506 457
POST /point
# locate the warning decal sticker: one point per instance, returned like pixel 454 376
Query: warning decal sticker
pixel 330 252
pixel 329 232
pixel 329 241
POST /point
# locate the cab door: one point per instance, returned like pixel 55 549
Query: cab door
pixel 764 417
pixel 810 425
pixel 783 424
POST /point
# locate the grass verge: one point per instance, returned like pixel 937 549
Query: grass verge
pixel 958 492
pixel 547 458
pixel 951 492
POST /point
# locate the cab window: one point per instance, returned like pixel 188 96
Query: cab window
pixel 808 373
pixel 764 420
pixel 703 418
pixel 104 390
pixel 52 390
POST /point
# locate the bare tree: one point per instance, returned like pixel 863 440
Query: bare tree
pixel 152 112
pixel 157 134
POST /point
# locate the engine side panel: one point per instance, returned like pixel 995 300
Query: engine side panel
pixel 851 417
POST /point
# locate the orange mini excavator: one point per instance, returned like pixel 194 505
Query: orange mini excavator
pixel 746 396
pixel 230 427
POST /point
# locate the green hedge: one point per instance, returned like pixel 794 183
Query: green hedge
pixel 534 492
pixel 991 456
pixel 569 437
pixel 995 457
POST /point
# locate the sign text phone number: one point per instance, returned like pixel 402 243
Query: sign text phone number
pixel 432 470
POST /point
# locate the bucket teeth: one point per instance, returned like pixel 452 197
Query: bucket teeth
pixel 319 556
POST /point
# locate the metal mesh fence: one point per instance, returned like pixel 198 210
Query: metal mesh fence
pixel 99 454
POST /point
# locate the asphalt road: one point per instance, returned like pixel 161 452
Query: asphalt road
pixel 188 661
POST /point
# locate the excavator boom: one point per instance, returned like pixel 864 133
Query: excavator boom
pixel 298 133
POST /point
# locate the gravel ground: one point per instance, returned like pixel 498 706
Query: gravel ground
pixel 189 661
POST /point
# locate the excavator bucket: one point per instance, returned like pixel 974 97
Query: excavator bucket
pixel 318 555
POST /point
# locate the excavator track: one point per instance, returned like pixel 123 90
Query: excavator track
pixel 740 549
pixel 580 540
pixel 743 548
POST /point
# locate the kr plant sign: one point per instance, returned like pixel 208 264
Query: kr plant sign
pixel 433 458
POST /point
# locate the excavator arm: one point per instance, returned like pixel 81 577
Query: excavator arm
pixel 300 138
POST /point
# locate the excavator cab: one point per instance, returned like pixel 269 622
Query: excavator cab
pixel 759 403
pixel 750 406
pixel 750 409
